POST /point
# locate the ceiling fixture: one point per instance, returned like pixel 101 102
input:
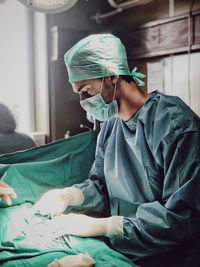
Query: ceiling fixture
pixel 119 6
pixel 49 6
pixel 127 3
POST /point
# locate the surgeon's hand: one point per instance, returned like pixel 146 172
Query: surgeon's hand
pixel 75 224
pixel 80 260
pixel 55 202
pixel 6 193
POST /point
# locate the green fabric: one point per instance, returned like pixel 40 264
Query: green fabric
pixel 59 164
pixel 96 56
pixel 31 173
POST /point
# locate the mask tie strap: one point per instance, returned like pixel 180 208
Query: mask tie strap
pixel 101 85
pixel 115 89
pixel 136 75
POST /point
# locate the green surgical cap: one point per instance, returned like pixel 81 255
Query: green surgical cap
pixel 96 56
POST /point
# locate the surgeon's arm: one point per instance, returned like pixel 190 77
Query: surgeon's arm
pixel 94 190
pixel 160 226
pixel 82 225
pixel 91 195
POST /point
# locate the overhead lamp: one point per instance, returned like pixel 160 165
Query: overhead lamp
pixel 49 6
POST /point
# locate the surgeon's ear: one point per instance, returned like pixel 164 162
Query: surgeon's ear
pixel 112 80
pixel 115 79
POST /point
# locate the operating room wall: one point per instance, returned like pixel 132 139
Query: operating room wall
pixel 177 75
pixel 181 76
pixel 155 10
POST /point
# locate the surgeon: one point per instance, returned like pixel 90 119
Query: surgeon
pixel 145 181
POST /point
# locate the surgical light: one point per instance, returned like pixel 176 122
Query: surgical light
pixel 49 6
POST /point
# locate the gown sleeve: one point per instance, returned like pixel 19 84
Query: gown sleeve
pixel 161 225
pixel 94 189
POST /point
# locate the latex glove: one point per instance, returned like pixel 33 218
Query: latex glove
pixel 55 202
pixel 82 225
pixel 80 260
pixel 6 193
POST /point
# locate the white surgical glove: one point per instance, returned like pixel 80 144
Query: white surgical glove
pixel 55 202
pixel 80 260
pixel 6 193
pixel 84 226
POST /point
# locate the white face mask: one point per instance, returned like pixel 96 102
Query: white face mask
pixel 98 108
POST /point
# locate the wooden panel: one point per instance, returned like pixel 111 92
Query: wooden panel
pixel 197 29
pixel 163 38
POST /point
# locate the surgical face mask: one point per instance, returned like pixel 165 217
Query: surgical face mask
pixel 98 108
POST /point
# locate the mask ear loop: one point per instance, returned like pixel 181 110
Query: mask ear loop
pixel 115 89
pixel 101 85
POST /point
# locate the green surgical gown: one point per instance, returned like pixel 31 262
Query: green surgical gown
pixel 148 170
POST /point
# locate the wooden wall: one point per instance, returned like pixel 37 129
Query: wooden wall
pixel 163 37
pixel 167 50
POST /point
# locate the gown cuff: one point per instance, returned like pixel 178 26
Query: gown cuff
pixel 115 227
pixel 75 195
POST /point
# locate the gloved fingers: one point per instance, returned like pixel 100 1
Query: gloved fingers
pixel 87 259
pixel 53 202
pixel 52 208
pixel 80 260
pixel 13 195
pixel 6 193
pixel 72 224
pixel 55 263
pixel 58 226
pixel 7 199
pixel 78 225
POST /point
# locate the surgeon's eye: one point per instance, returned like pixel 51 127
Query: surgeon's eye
pixel 84 95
